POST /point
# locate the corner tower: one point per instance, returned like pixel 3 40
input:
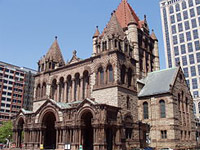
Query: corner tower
pixel 53 59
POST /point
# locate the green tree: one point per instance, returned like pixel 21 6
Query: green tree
pixel 5 131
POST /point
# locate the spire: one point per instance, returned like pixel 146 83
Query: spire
pixel 113 26
pixel 125 14
pixel 54 53
pixel 96 34
pixel 153 36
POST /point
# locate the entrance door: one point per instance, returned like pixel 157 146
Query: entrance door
pixel 87 131
pixel 50 131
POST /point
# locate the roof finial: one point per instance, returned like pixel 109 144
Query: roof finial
pixel 74 53
pixel 145 17
pixel 56 37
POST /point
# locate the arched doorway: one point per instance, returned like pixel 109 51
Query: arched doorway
pixel 50 131
pixel 20 132
pixel 87 131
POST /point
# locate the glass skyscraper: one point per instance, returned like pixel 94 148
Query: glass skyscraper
pixel 181 34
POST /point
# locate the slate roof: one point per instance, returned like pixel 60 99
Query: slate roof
pixel 158 82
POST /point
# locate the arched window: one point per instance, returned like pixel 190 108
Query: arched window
pixel 194 108
pixel 123 74
pixel 44 89
pixel 85 84
pixel 100 76
pixel 187 104
pixel 38 90
pixel 179 101
pixel 76 86
pixel 184 5
pixel 183 107
pixel 69 86
pixel 54 90
pixel 129 76
pixel 110 74
pixel 145 110
pixel 162 109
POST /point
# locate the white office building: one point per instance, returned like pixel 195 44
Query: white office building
pixel 181 34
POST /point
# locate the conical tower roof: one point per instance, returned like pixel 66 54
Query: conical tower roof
pixel 125 14
pixel 113 27
pixel 96 34
pixel 55 54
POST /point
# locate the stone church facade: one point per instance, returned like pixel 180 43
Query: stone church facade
pixel 112 100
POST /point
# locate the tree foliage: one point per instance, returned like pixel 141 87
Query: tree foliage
pixel 5 131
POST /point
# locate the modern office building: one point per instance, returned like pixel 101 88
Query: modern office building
pixel 16 89
pixel 181 32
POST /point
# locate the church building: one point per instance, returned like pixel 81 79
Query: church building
pixel 117 99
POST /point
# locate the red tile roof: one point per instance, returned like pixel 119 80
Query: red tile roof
pixel 96 34
pixel 125 13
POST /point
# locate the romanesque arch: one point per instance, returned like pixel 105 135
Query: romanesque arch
pixel 49 131
pixel 87 130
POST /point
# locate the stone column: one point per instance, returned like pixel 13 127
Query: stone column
pixel 58 93
pixel 72 91
pixel 48 90
pixel 65 92
pixel 81 88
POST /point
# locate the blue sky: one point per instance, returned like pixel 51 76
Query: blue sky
pixel 28 27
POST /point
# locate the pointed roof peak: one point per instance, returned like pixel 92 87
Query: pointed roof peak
pixel 97 33
pixel 54 53
pixel 153 36
pixel 132 21
pixel 113 26
pixel 125 14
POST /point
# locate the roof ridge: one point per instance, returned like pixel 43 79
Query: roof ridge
pixel 163 70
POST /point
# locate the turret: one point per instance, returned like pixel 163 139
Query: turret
pixel 53 59
pixel 132 36
pixel 95 37
pixel 155 52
